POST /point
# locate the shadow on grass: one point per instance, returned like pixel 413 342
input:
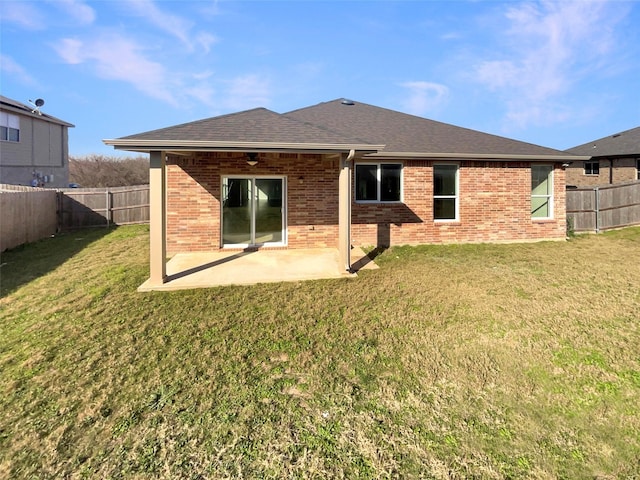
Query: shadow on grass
pixel 43 256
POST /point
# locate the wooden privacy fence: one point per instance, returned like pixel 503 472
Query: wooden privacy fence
pixel 28 214
pixel 91 207
pixel 594 209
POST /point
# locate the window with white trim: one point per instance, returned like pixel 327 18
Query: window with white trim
pixel 541 191
pixel 592 168
pixel 378 182
pixel 445 192
pixel 9 127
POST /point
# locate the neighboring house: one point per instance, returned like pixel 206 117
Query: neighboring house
pixel 614 159
pixel 343 173
pixel 34 146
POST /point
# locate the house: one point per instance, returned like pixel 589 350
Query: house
pixel 614 159
pixel 34 146
pixel 343 173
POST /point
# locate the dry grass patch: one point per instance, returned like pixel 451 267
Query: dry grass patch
pixel 486 361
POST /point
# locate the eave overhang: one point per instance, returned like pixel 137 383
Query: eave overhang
pixel 474 156
pixel 182 146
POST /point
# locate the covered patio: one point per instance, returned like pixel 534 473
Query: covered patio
pixel 249 267
pixel 208 180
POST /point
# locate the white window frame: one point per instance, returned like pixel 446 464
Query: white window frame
pixel 549 196
pixel 9 122
pixel 378 166
pixel 456 197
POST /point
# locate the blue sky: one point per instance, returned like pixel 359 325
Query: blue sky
pixel 554 73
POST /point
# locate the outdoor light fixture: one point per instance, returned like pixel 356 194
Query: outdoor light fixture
pixel 252 159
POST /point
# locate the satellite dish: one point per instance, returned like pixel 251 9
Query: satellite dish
pixel 38 103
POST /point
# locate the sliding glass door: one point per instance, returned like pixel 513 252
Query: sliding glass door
pixel 253 211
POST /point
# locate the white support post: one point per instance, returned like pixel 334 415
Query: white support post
pixel 157 218
pixel 344 211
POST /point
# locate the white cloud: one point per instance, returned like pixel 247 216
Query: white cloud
pixel 172 24
pixel 424 97
pixel 78 10
pixel 24 14
pixel 116 57
pixel 248 91
pixel 206 40
pixel 548 47
pixel 9 66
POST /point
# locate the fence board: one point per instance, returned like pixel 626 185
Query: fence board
pixel 26 215
pixel 593 209
pixel 104 206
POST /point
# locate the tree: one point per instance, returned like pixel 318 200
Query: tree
pixel 104 171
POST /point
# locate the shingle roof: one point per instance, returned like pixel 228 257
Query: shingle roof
pixel 18 107
pixel 257 125
pixel 336 124
pixel 620 144
pixel 405 133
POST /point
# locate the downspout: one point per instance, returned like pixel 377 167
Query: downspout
pixel 611 171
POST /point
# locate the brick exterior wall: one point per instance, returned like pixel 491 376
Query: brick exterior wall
pixel 495 206
pixel 193 198
pixel 495 203
pixel 624 170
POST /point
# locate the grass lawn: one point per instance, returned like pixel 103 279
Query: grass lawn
pixel 474 361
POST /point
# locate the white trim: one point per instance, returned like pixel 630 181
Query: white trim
pixel 549 197
pixel 231 146
pixel 456 197
pixel 381 156
pixel 284 241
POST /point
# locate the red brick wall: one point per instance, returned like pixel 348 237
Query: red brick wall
pixel 193 198
pixel 495 203
pixel 495 206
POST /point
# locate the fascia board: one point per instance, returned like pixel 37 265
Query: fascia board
pixel 222 146
pixel 472 156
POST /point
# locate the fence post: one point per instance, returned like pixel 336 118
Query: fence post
pixel 596 192
pixel 108 206
pixel 59 194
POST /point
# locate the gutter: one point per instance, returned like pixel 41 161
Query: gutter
pixel 225 146
pixel 474 156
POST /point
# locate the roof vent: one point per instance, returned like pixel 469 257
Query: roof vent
pixel 616 135
pixel 347 102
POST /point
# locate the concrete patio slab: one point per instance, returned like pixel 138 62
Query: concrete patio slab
pixel 202 270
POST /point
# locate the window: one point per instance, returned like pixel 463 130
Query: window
pixel 9 127
pixel 638 168
pixel 541 191
pixel 445 192
pixel 592 168
pixel 378 182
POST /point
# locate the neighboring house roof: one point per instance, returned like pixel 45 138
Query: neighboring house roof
pixel 338 125
pixel 620 144
pixel 14 106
